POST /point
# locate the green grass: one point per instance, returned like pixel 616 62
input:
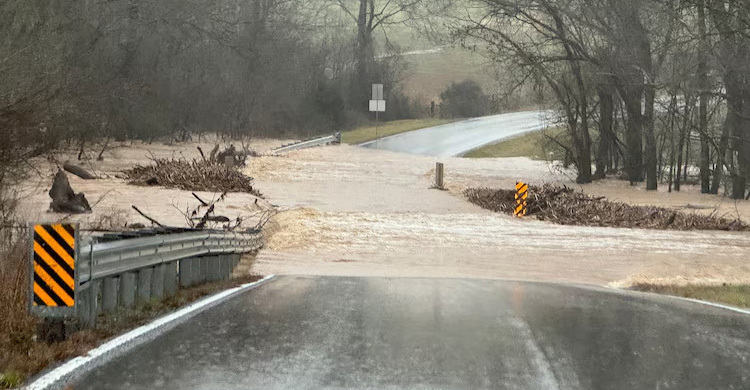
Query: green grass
pixel 534 145
pixel 365 134
pixel 10 379
pixel 732 294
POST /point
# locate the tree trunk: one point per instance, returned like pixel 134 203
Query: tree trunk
pixel 364 52
pixel 705 160
pixel 581 137
pixel 652 181
pixel 672 152
pixel 744 146
pixel 681 143
pixel 687 154
pixel 633 138
pixel 721 158
pixel 606 113
pixel 78 171
pixel 736 130
pixel 64 199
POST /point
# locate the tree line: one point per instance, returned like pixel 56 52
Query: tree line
pixel 141 69
pixel 636 83
pixel 651 88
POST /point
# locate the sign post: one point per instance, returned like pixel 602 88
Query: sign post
pixel 377 105
pixel 53 277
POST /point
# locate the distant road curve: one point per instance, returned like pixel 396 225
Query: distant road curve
pixel 456 139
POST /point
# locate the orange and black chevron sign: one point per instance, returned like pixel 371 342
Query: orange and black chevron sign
pixel 54 266
pixel 522 198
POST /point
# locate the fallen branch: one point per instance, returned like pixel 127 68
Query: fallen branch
pixel 78 171
pixel 155 222
pixel 203 203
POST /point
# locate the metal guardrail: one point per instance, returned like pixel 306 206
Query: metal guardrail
pixel 116 257
pixel 121 273
pixel 330 139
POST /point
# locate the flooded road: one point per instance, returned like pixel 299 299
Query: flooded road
pixel 353 211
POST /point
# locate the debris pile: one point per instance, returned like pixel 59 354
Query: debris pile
pixel 203 175
pixel 565 206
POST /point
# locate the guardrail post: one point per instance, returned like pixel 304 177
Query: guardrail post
pixel 202 270
pixel 210 274
pixel 144 284
pixel 127 289
pixel 83 307
pixel 186 272
pixel 226 267
pixel 96 306
pixel 109 294
pixel 216 263
pixel 157 282
pixel 195 271
pixel 170 279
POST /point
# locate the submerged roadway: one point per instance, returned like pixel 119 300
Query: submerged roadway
pixel 380 333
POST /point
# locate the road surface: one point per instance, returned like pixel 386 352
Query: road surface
pixel 458 138
pixel 380 333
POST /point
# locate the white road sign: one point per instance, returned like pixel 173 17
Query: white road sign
pixel 377 105
pixel 377 92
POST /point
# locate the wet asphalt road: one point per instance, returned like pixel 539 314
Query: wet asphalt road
pixel 378 333
pixel 458 138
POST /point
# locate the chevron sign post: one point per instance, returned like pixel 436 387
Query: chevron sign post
pixel 522 198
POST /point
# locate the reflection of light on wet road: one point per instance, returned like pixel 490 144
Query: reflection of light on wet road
pixel 401 333
pixel 455 139
pixel 517 296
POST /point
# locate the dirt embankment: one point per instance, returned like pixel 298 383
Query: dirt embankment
pixel 363 212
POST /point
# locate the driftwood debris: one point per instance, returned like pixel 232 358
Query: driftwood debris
pixel 565 206
pixel 64 199
pixel 196 175
pixel 78 171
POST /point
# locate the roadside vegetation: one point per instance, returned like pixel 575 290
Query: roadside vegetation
pixel 23 356
pixel 368 133
pixel 536 145
pixel 731 294
pixel 646 88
